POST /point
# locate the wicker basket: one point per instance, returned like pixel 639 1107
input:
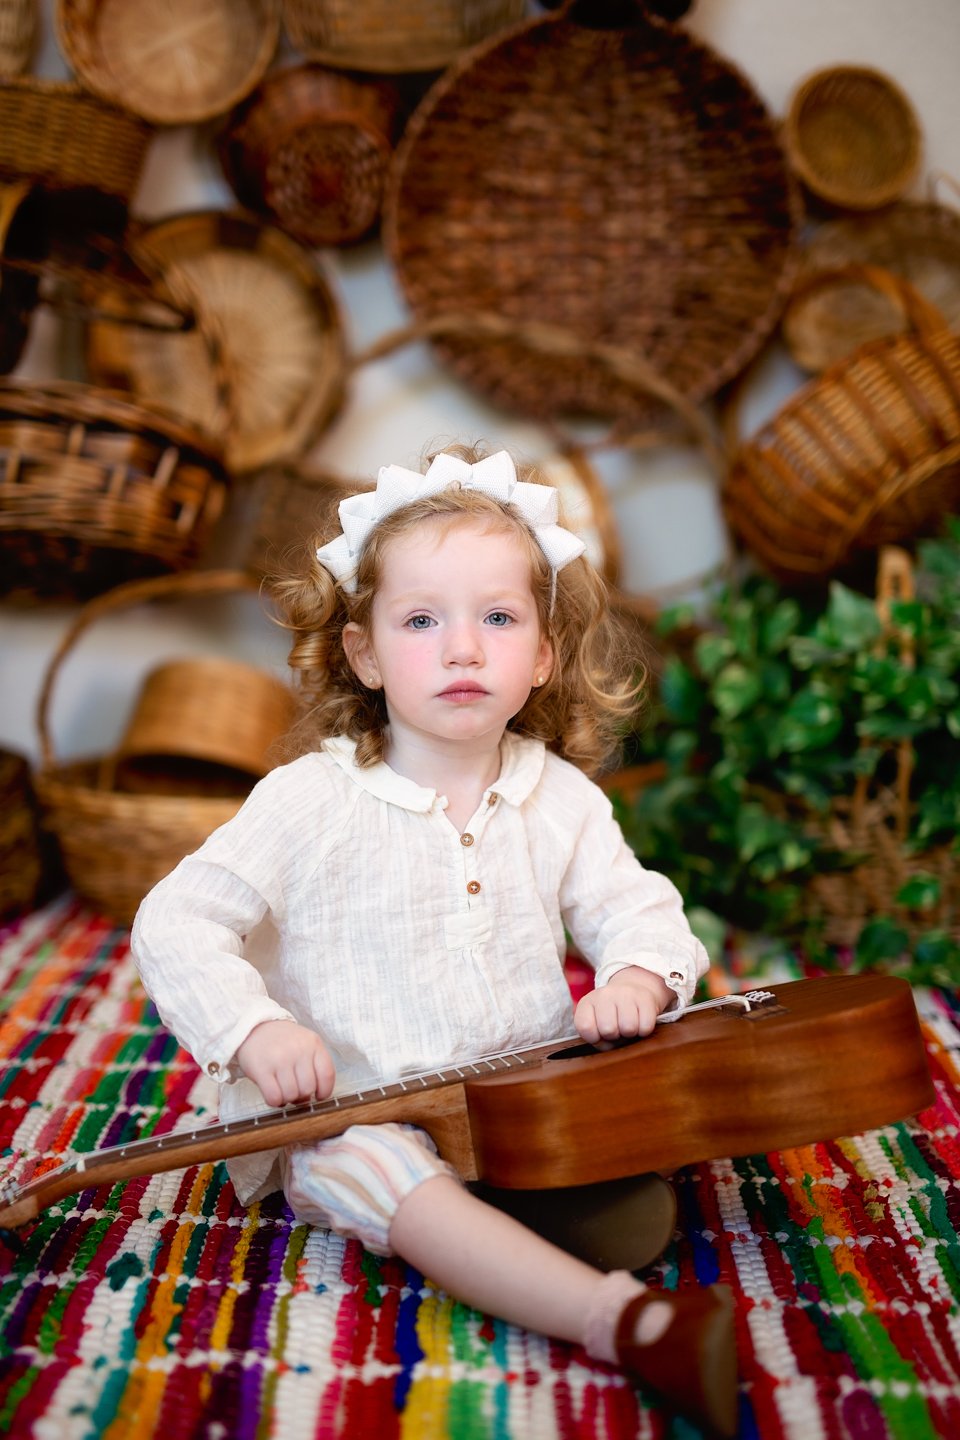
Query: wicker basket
pixel 853 137
pixel 393 36
pixel 626 186
pixel 866 454
pixel 18 35
pixel 173 64
pixel 311 148
pixel 95 490
pixel 263 371
pixel 920 242
pixel 21 857
pixel 117 845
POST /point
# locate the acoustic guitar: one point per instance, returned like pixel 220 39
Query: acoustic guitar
pixel 807 1060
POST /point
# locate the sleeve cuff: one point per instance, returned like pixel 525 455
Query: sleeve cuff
pixel 677 976
pixel 219 1060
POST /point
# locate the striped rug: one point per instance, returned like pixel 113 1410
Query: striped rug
pixel 164 1308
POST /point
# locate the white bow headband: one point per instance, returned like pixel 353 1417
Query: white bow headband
pixel 396 487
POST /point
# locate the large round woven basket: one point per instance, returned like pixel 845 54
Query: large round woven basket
pixel 393 36
pixel 626 186
pixel 918 241
pixel 175 63
pixel 263 370
pixel 864 455
pixel 116 844
pixel 311 148
pixel 96 490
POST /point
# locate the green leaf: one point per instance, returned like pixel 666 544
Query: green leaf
pixel 921 892
pixel 881 939
pixel 853 618
pixel 811 721
pixel 712 651
pixel 736 689
pixel 682 694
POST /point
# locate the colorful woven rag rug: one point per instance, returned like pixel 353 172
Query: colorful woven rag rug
pixel 163 1308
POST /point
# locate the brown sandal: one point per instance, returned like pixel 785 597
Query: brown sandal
pixel 692 1366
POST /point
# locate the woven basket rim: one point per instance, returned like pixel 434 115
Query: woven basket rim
pixel 358 56
pixel 76 400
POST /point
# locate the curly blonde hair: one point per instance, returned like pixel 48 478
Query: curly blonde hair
pixel 596 680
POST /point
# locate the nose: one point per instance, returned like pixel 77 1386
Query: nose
pixel 463 644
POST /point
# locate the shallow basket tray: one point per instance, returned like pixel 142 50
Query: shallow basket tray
pixel 117 844
pixel 95 490
pixel 394 36
pixel 263 370
pixel 853 136
pixel 866 454
pixel 175 63
pixel 626 186
pixel 918 241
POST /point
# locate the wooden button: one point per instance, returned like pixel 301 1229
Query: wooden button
pixel 466 839
pixel 473 887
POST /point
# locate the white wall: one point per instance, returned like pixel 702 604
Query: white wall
pixel 666 503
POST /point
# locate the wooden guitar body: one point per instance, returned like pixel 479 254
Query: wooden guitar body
pixel 817 1059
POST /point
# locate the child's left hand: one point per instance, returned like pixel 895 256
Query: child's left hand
pixel 627 1006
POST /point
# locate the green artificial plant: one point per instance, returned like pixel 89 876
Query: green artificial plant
pixel 769 717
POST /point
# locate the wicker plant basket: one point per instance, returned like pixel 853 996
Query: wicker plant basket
pixel 624 185
pixel 115 844
pixel 95 490
pixel 919 242
pixel 393 36
pixel 866 454
pixel 263 370
pixel 18 34
pixel 853 137
pixel 173 64
pixel 311 148
pixel 21 856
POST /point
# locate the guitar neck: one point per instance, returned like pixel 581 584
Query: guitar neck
pixel 432 1097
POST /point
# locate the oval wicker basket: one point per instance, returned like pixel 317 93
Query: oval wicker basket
pixel 117 845
pixel 626 185
pixel 866 454
pixel 173 64
pixel 263 370
pixel 18 35
pixel 853 136
pixel 311 147
pixel 919 242
pixel 390 37
pixel 95 490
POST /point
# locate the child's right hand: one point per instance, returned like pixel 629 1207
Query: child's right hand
pixel 287 1061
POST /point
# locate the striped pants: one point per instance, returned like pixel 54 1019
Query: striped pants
pixel 354 1182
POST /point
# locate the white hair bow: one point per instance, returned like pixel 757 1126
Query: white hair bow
pixel 396 487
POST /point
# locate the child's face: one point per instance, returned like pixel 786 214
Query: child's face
pixel 455 637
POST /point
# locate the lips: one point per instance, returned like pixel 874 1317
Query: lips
pixel 462 690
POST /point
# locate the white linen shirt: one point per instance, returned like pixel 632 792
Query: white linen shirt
pixel 345 899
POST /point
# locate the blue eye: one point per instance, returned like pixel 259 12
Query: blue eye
pixel 498 617
pixel 420 622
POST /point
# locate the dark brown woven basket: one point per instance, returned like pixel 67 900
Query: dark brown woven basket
pixel 116 844
pixel 394 37
pixel 175 63
pixel 311 148
pixel 866 454
pixel 626 186
pixel 95 490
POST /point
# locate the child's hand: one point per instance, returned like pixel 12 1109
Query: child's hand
pixel 626 1006
pixel 289 1062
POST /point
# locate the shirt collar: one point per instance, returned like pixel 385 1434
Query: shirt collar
pixel 521 765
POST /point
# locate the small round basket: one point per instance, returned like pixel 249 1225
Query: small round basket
pixel 866 454
pixel 853 137
pixel 919 242
pixel 391 38
pixel 95 490
pixel 18 34
pixel 173 64
pixel 263 370
pixel 116 844
pixel 625 185
pixel 311 147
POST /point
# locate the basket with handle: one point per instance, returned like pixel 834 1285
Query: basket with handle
pixel 95 490
pixel 393 36
pixel 172 64
pixel 866 454
pixel 117 843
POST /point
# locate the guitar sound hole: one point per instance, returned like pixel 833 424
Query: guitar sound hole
pixel 577 1052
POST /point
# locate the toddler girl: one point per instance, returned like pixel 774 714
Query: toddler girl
pixel 395 898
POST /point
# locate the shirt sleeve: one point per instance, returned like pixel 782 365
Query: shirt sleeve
pixel 188 936
pixel 620 913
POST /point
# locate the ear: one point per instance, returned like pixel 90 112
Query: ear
pixel 359 653
pixel 544 661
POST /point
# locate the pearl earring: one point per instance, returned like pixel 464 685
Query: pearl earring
pixel 371 682
pixel 539 680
